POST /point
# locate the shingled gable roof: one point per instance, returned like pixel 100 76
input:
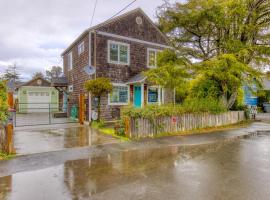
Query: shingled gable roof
pixel 111 21
pixel 34 79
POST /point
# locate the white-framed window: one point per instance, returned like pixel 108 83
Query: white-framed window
pixel 152 94
pixel 152 55
pixel 81 48
pixel 69 61
pixel 118 53
pixel 119 95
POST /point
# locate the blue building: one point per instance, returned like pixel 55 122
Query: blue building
pixel 249 97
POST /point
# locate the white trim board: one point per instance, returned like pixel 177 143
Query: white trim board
pixel 131 39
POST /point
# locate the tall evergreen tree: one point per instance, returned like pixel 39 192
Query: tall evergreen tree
pixel 203 29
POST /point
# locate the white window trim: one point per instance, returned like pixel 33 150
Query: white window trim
pixel 118 62
pixel 70 61
pixel 156 51
pixel 156 87
pixel 119 104
pixel 81 45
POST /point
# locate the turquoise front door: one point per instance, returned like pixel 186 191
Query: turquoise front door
pixel 137 96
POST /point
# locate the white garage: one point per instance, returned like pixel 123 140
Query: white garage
pixel 38 102
pixel 37 96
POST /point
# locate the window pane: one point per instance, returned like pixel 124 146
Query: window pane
pixel 152 59
pixel 152 95
pixel 114 52
pixel 119 94
pixel 114 96
pixel 123 95
pixel 81 48
pixel 123 54
pixel 69 60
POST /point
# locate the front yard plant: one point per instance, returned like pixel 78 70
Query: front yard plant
pixel 3 102
pixel 195 106
pixel 109 130
pixel 4 156
pixel 98 87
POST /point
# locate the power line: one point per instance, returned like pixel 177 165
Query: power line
pixel 123 9
pixel 93 13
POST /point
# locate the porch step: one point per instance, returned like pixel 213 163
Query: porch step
pixel 60 115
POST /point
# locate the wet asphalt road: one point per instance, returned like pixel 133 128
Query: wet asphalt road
pixel 232 170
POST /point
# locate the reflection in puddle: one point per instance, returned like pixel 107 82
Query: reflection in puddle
pixel 217 171
pixel 52 140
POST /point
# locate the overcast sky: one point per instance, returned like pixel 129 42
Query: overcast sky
pixel 33 33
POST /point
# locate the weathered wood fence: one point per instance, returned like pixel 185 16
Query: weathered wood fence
pixel 6 139
pixel 2 138
pixel 141 128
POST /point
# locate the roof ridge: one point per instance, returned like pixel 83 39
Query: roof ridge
pixel 113 20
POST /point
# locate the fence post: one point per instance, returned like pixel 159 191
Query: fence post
pixel 49 113
pixel 9 139
pixel 81 109
pixel 127 127
pixel 9 129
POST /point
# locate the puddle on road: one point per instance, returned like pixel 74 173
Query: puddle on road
pixel 52 140
pixel 233 170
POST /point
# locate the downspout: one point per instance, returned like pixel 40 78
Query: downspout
pixel 90 62
pixel 95 52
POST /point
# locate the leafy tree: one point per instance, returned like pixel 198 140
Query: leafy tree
pixel 203 29
pixel 171 72
pixel 3 101
pixel 54 72
pixel 12 73
pixel 38 75
pixel 99 87
pixel 223 78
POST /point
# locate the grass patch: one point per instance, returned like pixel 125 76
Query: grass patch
pixel 108 130
pixel 207 129
pixel 4 156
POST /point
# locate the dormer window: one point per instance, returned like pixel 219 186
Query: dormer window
pixel 118 53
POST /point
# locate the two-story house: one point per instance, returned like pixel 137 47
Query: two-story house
pixel 119 49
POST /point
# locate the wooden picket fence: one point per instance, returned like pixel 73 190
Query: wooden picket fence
pixel 6 139
pixel 141 128
pixel 2 138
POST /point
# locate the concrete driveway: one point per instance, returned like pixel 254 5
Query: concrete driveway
pixel 29 140
pixel 33 119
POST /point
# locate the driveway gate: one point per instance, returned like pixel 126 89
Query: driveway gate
pixel 31 114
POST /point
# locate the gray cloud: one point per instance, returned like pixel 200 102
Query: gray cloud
pixel 33 33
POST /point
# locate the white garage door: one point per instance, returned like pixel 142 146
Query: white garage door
pixel 38 102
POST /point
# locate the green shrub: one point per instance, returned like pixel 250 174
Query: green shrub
pixel 189 106
pixel 120 128
pixel 3 102
pixel 203 105
pixel 263 97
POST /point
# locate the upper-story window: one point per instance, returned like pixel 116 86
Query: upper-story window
pixel 118 53
pixel 152 55
pixel 69 61
pixel 81 48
